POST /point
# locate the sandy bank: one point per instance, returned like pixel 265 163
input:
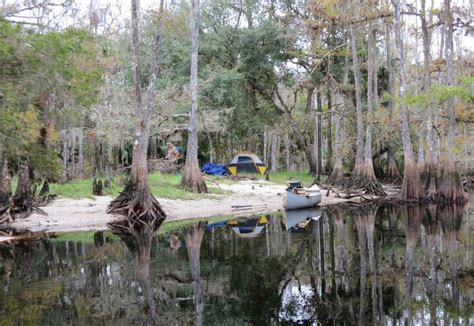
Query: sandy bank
pixel 64 214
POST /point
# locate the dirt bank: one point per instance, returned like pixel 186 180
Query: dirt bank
pixel 65 214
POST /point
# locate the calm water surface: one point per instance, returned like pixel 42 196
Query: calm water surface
pixel 373 265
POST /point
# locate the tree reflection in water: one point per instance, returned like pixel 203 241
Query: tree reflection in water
pixel 193 235
pixel 384 265
pixel 138 238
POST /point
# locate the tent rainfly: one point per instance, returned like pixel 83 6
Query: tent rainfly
pixel 248 228
pixel 246 163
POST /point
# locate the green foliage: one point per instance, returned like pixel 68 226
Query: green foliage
pixel 44 77
pixel 439 94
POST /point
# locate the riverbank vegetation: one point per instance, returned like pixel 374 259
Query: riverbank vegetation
pixel 356 93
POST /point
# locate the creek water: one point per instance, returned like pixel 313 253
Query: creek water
pixel 390 265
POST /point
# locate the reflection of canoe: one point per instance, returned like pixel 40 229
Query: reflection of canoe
pixel 295 216
pixel 298 197
pixel 248 228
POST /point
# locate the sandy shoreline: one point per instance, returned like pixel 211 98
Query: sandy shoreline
pixel 68 215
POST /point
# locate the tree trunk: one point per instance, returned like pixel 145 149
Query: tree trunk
pixel 81 154
pixel 305 144
pixel 392 170
pixel 429 174
pixel 265 142
pixel 329 134
pixel 450 189
pixel 358 168
pixel 411 185
pixel 420 163
pixel 65 153
pixel 319 119
pixel 287 152
pixel 336 178
pixel 23 199
pixel 136 201
pixel 192 179
pixel 275 150
pixel 73 154
pixel 363 175
pixel 5 185
pixel 370 183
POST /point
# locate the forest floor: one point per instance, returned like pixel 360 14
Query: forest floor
pixel 258 196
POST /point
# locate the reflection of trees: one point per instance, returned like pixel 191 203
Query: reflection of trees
pixel 278 240
pixel 24 296
pixel 412 217
pixel 451 220
pixel 77 282
pixel 432 228
pixel 138 238
pixel 365 227
pixel 194 235
pixel 6 255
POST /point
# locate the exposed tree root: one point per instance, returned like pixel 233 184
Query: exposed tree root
pixel 5 185
pixel 351 194
pixel 21 234
pixel 139 207
pixel 370 186
pixel 5 215
pixel 22 204
pixel 364 179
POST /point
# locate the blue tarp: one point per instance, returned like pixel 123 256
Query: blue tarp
pixel 216 225
pixel 214 169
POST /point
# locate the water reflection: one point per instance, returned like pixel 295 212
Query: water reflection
pixel 194 235
pixel 248 227
pixel 366 265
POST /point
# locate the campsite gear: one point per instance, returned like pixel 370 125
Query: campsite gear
pixel 248 228
pixel 248 207
pixel 213 169
pixel 293 218
pixel 246 163
pixel 296 196
pixel 216 225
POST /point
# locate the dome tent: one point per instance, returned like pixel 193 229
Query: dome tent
pixel 246 163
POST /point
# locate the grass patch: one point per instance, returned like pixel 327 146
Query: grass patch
pixel 162 186
pixel 81 189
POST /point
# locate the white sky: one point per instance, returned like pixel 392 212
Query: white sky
pixel 116 12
